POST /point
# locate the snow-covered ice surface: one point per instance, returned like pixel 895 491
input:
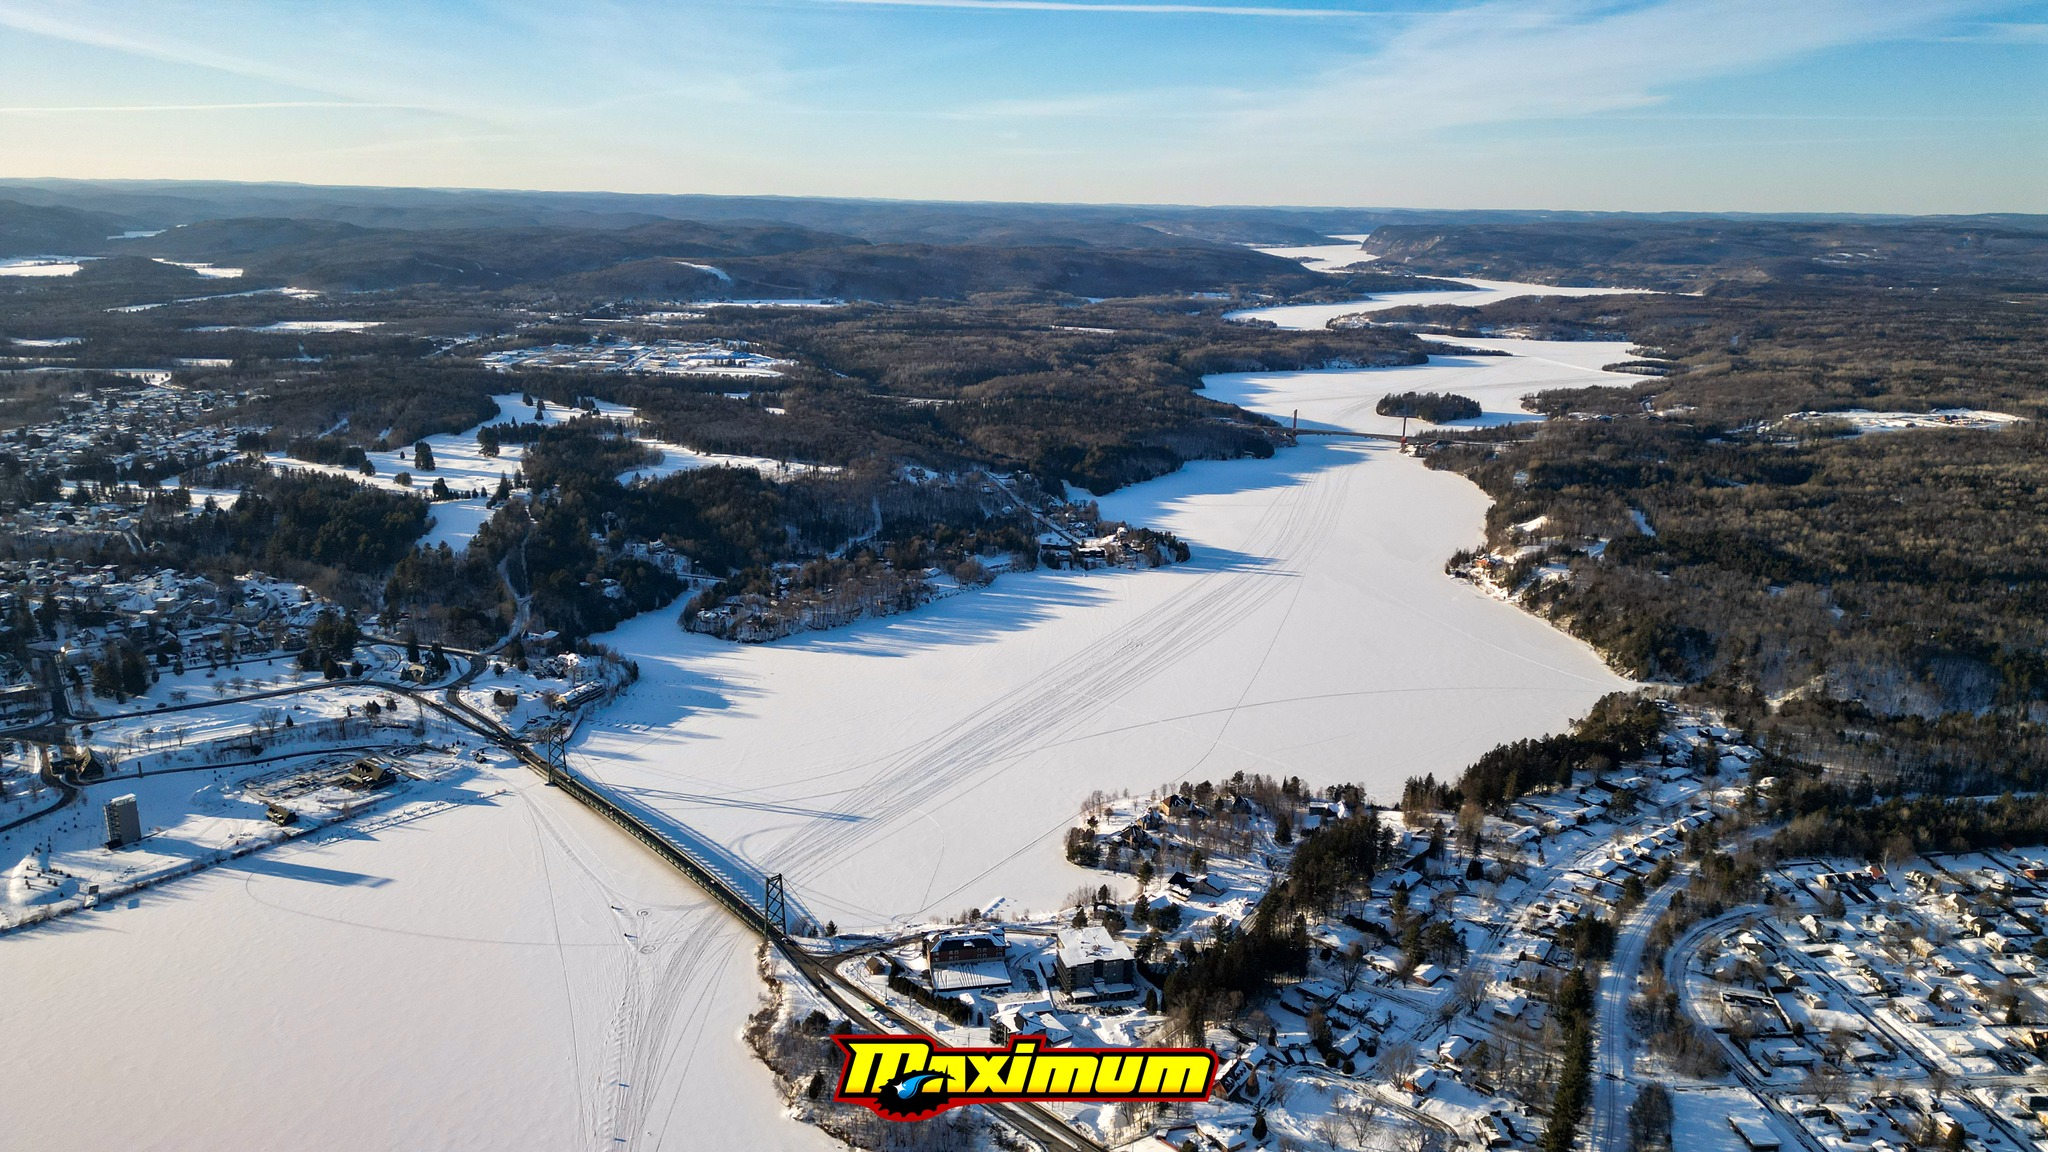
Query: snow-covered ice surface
pixel 46 266
pixel 210 271
pixel 294 293
pixel 508 971
pixel 299 326
pixel 928 762
pixel 1332 400
pixel 503 971
pixel 1313 316
pixel 1324 257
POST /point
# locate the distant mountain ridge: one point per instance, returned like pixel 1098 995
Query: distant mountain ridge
pixel 1704 252
pixel 166 203
pixel 40 230
pixel 629 246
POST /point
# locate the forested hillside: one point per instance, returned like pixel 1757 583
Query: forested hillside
pixel 1689 255
pixel 1873 599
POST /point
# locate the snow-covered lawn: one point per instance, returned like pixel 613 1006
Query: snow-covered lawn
pixel 676 458
pixel 173 738
pixel 1700 1120
pixel 200 683
pixel 191 820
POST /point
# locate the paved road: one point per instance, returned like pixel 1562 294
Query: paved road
pixel 1613 1057
pixel 66 793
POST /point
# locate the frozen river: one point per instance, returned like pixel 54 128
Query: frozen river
pixel 509 973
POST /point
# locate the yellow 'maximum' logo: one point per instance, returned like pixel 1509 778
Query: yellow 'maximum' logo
pixel 910 1077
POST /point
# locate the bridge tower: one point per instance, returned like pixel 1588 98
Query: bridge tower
pixel 555 750
pixel 775 906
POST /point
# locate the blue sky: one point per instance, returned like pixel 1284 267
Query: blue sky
pixel 1760 105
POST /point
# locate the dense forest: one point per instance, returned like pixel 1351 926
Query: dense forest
pixel 1871 602
pixel 1435 407
pixel 322 530
pixel 1618 728
pixel 1097 395
pixel 1093 394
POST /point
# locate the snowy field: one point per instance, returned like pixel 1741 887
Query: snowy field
pixel 1862 421
pixel 658 357
pixel 811 302
pixel 508 971
pixel 459 461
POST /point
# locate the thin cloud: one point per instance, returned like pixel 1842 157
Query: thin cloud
pixel 52 110
pixel 1499 63
pixel 1126 9
pixel 2000 34
pixel 531 61
pixel 41 22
